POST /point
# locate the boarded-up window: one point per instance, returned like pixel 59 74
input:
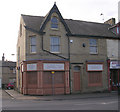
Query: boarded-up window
pixel 32 78
pixel 57 77
pixel 95 79
pixel 47 78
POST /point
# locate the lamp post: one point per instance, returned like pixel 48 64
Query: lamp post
pixel 53 83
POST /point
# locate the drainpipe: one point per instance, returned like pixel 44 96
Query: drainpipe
pixel 50 52
pixel 69 64
pixel 63 58
pixel 109 86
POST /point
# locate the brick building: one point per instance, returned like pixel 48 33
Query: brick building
pixel 61 56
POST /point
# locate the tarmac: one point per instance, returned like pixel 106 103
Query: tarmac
pixel 16 95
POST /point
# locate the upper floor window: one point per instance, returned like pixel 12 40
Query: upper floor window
pixel 55 44
pixel 33 44
pixel 93 46
pixel 54 22
pixel 20 30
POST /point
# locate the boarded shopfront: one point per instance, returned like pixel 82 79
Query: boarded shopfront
pixel 94 74
pixel 45 77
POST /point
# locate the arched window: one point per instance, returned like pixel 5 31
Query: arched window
pixel 76 68
pixel 54 22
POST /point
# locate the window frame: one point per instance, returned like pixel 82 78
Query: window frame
pixel 94 46
pixel 54 23
pixel 33 45
pixel 55 45
pixel 20 30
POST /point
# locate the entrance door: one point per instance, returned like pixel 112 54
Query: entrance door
pixel 53 83
pixel 76 74
pixel 115 79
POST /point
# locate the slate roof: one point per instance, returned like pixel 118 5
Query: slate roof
pixel 73 27
pixel 76 27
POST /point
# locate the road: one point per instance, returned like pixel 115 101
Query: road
pixel 103 103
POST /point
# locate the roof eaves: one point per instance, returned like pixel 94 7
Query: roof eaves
pixel 97 36
pixel 30 29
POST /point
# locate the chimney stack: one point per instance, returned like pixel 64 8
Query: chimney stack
pixel 110 21
pixel 3 57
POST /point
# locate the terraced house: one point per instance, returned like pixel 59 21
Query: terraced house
pixel 61 56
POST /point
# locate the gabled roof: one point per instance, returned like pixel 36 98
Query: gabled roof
pixel 73 27
pixel 78 28
pixel 47 18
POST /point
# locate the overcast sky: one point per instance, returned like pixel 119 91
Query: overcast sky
pixel 10 11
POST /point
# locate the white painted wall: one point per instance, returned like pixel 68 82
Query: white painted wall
pixel 112 49
pixel 119 11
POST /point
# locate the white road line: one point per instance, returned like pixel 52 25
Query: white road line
pixel 109 102
pixel 96 103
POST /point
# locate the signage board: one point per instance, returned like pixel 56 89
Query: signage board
pixel 114 64
pixel 53 66
pixel 31 67
pixel 94 67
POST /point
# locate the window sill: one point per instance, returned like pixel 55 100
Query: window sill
pixel 55 52
pixel 56 29
pixel 33 53
pixel 94 53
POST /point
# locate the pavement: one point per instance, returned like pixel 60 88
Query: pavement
pixel 16 95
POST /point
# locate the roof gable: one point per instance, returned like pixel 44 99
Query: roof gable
pixel 48 16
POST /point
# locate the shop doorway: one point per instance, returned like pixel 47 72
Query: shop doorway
pixel 115 79
pixel 54 82
pixel 76 75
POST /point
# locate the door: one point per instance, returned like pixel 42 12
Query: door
pixel 76 75
pixel 53 83
pixel 115 79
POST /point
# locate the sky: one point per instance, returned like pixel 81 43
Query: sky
pixel 11 10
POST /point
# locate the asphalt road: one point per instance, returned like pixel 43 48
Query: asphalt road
pixel 103 103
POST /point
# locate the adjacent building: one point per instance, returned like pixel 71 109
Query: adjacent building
pixel 113 46
pixel 62 56
pixel 8 72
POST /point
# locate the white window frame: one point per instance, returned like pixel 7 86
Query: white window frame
pixel 55 45
pixel 54 23
pixel 33 45
pixel 95 46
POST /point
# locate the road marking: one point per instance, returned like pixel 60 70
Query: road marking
pixel 104 103
pixel 109 102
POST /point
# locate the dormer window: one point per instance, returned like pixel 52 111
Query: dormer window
pixel 54 23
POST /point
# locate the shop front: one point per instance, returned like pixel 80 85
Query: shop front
pixel 45 77
pixel 94 71
pixel 114 74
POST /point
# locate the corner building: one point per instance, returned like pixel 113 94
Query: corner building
pixel 61 56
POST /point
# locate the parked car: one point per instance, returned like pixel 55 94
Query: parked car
pixel 10 85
